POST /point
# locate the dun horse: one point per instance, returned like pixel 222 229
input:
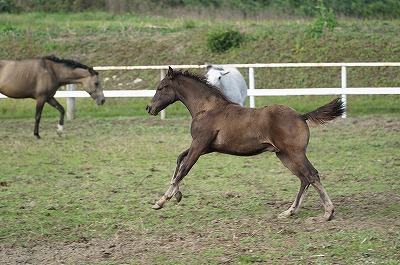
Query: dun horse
pixel 218 125
pixel 40 78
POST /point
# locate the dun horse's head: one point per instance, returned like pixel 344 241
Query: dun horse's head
pixel 165 95
pixel 91 84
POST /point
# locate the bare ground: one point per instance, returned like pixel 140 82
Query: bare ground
pixel 222 235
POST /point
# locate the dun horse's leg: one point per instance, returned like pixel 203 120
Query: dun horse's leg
pixel 38 115
pixel 53 102
pixel 174 188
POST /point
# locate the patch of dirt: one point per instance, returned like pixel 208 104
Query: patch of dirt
pixel 224 236
pixel 391 124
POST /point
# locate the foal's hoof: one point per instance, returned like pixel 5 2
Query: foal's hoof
pixel 285 214
pixel 327 217
pixel 156 207
pixel 178 196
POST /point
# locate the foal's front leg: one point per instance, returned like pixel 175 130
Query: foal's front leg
pixel 174 188
pixel 185 162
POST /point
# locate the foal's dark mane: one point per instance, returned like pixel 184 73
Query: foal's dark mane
pixel 70 63
pixel 203 80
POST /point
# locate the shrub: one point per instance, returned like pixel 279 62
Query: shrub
pixel 325 20
pixel 7 6
pixel 222 39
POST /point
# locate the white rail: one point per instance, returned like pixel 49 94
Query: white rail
pixel 253 92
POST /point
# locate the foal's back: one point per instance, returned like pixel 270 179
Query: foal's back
pixel 251 131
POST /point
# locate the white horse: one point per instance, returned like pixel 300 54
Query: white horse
pixel 229 80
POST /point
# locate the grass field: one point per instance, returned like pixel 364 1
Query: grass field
pixel 85 198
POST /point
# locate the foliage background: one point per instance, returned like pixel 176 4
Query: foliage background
pixel 247 8
pixel 103 39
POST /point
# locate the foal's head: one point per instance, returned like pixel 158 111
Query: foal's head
pixel 165 95
pixel 184 86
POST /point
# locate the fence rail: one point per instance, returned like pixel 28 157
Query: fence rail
pixel 252 91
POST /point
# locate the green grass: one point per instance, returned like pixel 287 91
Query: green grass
pixel 98 181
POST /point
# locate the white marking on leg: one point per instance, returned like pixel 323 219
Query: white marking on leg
pixel 60 128
pixel 329 208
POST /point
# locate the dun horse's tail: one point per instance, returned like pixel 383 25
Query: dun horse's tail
pixel 328 112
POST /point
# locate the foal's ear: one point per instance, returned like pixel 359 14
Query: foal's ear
pixel 170 72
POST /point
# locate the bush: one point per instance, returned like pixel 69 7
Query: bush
pixel 325 20
pixel 7 6
pixel 222 39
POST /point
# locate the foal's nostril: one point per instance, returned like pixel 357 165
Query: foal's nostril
pixel 103 101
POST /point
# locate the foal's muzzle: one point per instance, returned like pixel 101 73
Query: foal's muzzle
pixel 150 110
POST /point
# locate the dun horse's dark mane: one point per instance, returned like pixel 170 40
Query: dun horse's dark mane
pixel 70 63
pixel 203 80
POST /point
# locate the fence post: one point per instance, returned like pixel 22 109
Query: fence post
pixel 163 112
pixel 251 86
pixel 71 104
pixel 344 86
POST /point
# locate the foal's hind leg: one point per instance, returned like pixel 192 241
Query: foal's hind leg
pixel 313 177
pixel 329 209
pixel 294 209
pixel 304 184
pixel 299 165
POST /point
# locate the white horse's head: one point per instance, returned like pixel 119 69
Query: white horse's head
pixel 214 76
pixel 229 80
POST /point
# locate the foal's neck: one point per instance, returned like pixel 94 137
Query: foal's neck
pixel 197 96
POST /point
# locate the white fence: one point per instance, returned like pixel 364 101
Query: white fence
pixel 252 91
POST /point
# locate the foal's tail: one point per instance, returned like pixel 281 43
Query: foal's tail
pixel 327 112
